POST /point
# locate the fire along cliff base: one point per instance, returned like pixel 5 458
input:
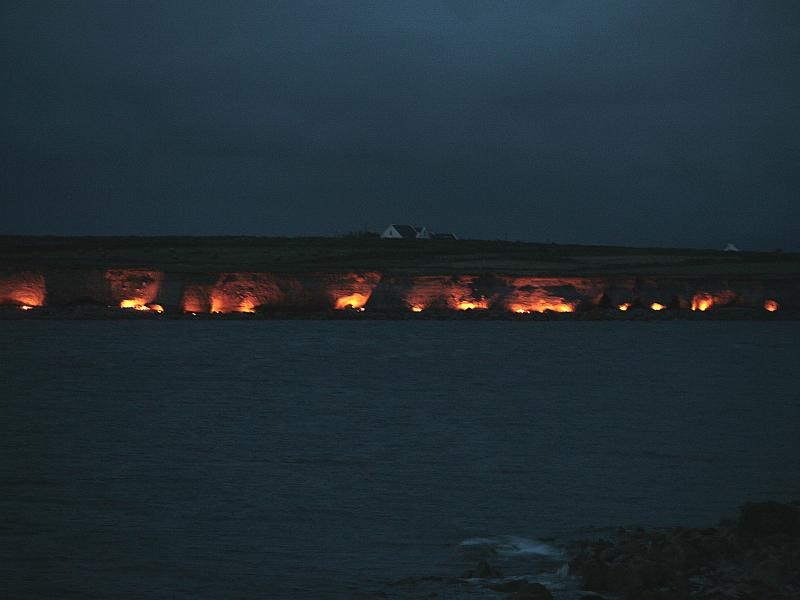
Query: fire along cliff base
pixel 128 278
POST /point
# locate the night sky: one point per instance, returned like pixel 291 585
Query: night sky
pixel 643 123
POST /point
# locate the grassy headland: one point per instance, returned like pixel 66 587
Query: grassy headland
pixel 274 254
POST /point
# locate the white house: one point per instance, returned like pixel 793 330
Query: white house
pixel 405 232
pixel 730 248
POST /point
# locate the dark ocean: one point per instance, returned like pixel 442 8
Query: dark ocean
pixel 343 459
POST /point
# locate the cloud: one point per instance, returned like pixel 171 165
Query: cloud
pixel 565 118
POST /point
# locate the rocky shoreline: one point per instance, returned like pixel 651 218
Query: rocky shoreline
pixel 98 312
pixel 755 557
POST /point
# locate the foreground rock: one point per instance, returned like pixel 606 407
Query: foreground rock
pixel 522 589
pixel 756 557
pixel 516 589
pixel 483 571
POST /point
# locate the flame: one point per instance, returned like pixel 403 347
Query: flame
pixel 353 301
pixel 437 292
pixel 135 304
pixel 141 304
pixel 563 307
pixel 543 304
pixel 220 303
pixel 657 306
pixel 702 302
pixel 350 291
pixel 133 288
pixel 770 305
pixel 23 289
pixel 472 304
pixel 25 307
pixel 531 294
pixel 247 306
pixel 232 292
pixel 29 300
pixel 624 306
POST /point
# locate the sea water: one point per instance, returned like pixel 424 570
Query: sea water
pixel 343 459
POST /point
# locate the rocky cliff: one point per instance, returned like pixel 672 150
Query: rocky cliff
pixel 388 294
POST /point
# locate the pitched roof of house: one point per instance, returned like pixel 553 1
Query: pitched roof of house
pixel 407 231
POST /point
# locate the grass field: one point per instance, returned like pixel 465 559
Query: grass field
pixel 215 254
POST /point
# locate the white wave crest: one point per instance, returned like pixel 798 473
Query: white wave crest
pixel 511 545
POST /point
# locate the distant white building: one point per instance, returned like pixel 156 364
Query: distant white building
pixel 405 232
pixel 730 248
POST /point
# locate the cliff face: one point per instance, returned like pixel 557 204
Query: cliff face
pixel 246 292
pixel 232 292
pixel 24 288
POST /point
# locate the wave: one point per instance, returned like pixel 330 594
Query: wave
pixel 511 545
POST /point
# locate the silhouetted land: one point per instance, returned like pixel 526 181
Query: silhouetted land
pixel 753 557
pixel 199 254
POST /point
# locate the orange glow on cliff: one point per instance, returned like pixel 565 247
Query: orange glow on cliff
pixel 542 305
pixel 133 288
pixel 588 287
pixel 135 304
pixel 247 306
pixel 350 291
pixel 657 306
pixel 702 301
pixel 140 304
pixel 438 292
pixel 624 306
pixel 353 301
pixel 22 289
pixel 542 294
pixel 472 304
pixel 29 300
pixel 770 305
pixel 531 299
pixel 196 298
pixel 240 292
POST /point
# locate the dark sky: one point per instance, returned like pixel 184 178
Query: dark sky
pixel 644 122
